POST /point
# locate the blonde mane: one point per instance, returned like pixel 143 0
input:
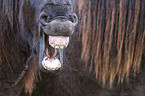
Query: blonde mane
pixel 113 37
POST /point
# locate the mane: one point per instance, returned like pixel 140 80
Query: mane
pixel 113 37
pixel 9 28
pixel 113 41
pixel 15 53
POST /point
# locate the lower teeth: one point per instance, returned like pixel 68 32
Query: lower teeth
pixel 51 64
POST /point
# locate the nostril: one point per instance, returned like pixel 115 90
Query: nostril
pixel 71 18
pixel 74 18
pixel 43 18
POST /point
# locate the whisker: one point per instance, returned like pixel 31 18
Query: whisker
pixel 71 68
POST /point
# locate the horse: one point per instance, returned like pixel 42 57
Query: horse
pixel 26 27
pixel 98 52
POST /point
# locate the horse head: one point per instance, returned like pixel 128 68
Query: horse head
pixel 47 26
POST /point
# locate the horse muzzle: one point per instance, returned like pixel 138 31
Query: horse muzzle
pixel 54 37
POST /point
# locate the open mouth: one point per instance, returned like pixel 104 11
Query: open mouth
pixel 54 37
pixel 51 52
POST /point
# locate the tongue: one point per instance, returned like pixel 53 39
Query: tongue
pixel 58 41
pixel 52 64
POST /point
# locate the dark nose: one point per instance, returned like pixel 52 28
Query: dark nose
pixel 45 18
pixel 59 23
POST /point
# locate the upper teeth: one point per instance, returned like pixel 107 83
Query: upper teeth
pixel 58 41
